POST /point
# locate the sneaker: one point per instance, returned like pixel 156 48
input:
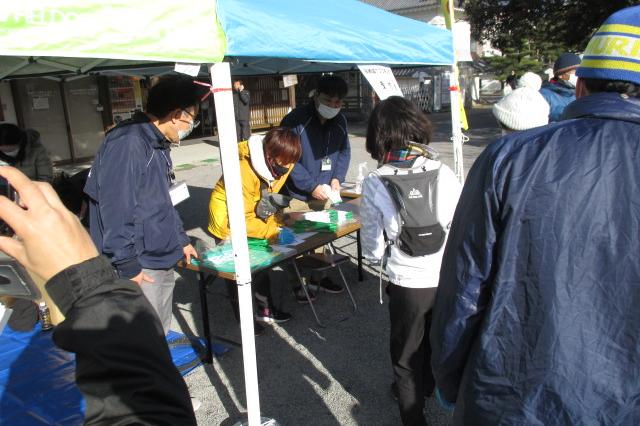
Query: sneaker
pixel 301 297
pixel 258 329
pixel 272 315
pixel 329 286
pixel 195 403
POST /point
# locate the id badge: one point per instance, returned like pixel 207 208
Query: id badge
pixel 326 164
pixel 178 192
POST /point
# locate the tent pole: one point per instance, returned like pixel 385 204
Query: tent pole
pixel 221 80
pixel 454 92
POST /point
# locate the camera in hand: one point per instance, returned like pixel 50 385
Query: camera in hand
pixel 7 190
pixel 15 281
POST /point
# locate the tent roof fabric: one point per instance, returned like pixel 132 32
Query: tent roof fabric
pixel 274 37
pixel 336 31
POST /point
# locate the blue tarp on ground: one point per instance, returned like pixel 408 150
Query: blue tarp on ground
pixel 37 379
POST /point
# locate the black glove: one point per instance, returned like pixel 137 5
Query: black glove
pixel 270 203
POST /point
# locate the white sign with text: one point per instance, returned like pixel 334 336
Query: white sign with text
pixel 382 80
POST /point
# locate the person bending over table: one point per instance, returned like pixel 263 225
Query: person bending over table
pixel 123 365
pixel 265 164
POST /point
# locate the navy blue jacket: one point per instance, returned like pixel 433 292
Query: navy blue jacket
pixel 537 319
pixel 318 141
pixel 132 219
pixel 558 96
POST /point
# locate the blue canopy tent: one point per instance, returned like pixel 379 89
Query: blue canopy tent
pixel 262 37
pixel 281 36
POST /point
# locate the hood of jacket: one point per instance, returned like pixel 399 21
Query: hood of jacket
pixel 561 88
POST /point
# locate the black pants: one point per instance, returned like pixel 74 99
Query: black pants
pixel 261 286
pixel 243 131
pixel 410 315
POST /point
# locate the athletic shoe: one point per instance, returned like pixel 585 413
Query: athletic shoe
pixel 272 315
pixel 328 285
pixel 298 292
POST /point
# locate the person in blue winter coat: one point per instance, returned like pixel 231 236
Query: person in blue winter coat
pixel 325 143
pixel 133 220
pixel 561 90
pixel 536 317
pixel 326 154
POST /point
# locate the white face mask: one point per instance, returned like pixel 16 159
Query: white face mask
pixel 573 80
pixel 13 153
pixel 326 111
pixel 184 133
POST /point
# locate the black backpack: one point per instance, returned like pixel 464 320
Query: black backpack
pixel 414 194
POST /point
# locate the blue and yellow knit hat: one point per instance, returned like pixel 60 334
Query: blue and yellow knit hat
pixel 614 51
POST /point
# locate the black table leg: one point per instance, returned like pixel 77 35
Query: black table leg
pixel 204 307
pixel 360 276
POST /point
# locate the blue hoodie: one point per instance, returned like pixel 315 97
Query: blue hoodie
pixel 318 142
pixel 132 219
pixel 558 96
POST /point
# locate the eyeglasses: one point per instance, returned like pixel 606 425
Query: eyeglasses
pixel 196 122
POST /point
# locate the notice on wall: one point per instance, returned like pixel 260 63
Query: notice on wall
pixel 40 103
pixel 290 80
pixel 382 80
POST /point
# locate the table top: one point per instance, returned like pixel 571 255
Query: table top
pixel 314 241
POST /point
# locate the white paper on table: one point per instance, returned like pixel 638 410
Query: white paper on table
pixel 323 216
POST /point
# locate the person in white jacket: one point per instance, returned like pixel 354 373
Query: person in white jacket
pixel 398 132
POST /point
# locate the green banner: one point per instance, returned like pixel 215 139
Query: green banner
pixel 150 30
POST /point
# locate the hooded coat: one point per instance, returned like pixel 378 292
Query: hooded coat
pixel 536 320
pixel 252 184
pixel 558 95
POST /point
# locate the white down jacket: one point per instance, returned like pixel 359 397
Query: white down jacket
pixel 378 214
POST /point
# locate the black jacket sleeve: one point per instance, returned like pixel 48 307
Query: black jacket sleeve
pixel 123 365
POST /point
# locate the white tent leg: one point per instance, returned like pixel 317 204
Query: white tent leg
pixel 456 129
pixel 221 80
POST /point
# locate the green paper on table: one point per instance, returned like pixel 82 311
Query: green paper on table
pixel 324 221
pixel 259 244
pixel 221 257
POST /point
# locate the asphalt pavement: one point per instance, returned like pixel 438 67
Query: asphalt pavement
pixel 308 375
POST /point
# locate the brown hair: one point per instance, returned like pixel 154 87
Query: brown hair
pixel 393 124
pixel 283 144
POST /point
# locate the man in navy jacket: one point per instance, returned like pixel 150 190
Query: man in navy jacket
pixel 325 151
pixel 132 218
pixel 325 143
pixel 536 318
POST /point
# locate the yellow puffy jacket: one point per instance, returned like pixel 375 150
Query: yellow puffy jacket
pixel 256 227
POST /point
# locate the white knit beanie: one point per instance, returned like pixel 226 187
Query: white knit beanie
pixel 530 80
pixel 522 109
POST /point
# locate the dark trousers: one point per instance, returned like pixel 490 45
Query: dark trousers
pixel 261 285
pixel 410 315
pixel 243 131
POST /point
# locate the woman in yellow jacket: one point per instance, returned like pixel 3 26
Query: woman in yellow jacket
pixel 265 164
